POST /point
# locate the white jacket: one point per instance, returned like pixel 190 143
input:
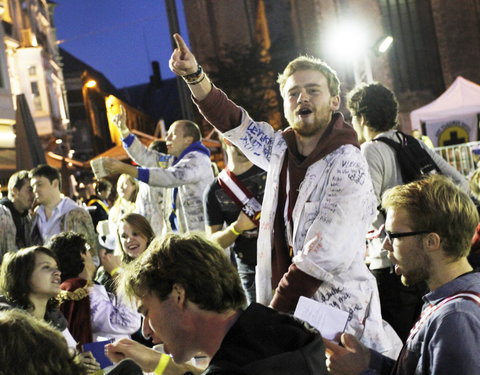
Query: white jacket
pixel 334 209
pixel 192 175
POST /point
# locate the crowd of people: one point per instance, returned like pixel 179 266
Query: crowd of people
pixel 192 272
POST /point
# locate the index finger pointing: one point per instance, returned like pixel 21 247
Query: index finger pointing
pixel 181 45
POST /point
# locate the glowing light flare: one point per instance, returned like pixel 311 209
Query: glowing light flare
pixel 347 40
pixel 91 83
pixel 385 44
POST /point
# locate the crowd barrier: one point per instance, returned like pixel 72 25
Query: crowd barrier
pixel 464 157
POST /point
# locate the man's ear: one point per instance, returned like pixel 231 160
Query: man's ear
pixel 179 294
pixel 335 103
pixel 432 241
pixel 56 183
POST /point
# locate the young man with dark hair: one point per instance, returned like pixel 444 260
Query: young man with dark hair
pixel 428 232
pixel 192 300
pixel 56 213
pixel 374 110
pixel 15 221
pixel 312 230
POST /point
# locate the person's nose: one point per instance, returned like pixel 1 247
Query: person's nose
pixel 146 329
pixel 386 244
pixel 303 96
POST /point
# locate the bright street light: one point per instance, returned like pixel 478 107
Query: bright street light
pixel 385 44
pixel 347 40
pixel 91 83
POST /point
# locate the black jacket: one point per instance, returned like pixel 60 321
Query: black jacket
pixel 264 341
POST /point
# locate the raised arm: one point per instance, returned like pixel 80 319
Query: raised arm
pixel 183 63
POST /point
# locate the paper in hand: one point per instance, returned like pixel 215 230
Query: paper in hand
pixel 98 168
pixel 98 351
pixel 328 320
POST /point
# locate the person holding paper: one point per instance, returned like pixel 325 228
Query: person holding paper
pixel 192 301
pixel 185 172
pixel 428 230
pixel 312 230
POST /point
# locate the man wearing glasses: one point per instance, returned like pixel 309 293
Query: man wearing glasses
pixel 374 110
pixel 428 229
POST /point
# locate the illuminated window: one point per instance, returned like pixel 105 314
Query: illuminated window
pixel 37 100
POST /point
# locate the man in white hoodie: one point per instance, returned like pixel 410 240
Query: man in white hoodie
pixel 56 213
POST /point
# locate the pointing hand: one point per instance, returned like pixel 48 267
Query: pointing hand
pixel 182 61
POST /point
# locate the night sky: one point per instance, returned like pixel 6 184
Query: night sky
pixel 119 38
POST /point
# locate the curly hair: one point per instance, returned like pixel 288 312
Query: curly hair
pixel 192 261
pixel 32 346
pixel 16 272
pixel 69 247
pixel 376 103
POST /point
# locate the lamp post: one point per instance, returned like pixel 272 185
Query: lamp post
pixel 183 92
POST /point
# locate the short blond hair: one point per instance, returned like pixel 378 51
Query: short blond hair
pixel 474 183
pixel 436 204
pixel 311 63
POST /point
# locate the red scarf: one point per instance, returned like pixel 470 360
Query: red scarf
pixel 337 134
pixel 76 308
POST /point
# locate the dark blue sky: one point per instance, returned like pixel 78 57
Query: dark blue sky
pixel 117 37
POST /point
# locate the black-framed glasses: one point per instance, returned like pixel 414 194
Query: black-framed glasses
pixel 391 236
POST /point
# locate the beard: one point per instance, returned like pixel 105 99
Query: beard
pixel 310 126
pixel 420 272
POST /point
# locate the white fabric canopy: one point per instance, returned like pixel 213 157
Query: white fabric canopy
pixel 461 98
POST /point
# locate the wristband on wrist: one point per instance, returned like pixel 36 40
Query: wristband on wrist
pixel 234 231
pixel 197 81
pixel 193 77
pixel 162 364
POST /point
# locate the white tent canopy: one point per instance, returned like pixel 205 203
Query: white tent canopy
pixel 461 98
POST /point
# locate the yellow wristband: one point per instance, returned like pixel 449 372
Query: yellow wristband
pixel 162 364
pixel 234 231
pixel 115 271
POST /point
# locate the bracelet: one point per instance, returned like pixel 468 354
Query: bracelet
pixel 197 81
pixel 193 76
pixel 234 231
pixel 162 364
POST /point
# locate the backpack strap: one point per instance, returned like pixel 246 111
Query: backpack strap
pixel 415 162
